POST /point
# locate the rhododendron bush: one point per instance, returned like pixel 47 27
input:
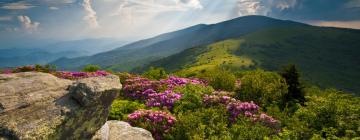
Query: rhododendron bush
pixel 60 74
pixel 157 122
pixel 186 95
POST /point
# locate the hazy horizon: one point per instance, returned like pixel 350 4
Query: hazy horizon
pixel 131 20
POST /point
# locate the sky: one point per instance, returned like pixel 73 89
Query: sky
pixel 138 19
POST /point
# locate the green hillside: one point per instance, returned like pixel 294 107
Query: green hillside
pixel 144 51
pixel 328 57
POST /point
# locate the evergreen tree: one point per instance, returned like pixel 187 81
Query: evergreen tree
pixel 295 90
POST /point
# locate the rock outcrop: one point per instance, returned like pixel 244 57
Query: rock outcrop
pixel 42 106
pixel 118 130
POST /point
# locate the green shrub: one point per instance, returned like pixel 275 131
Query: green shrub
pixel 155 73
pixel 45 68
pixel 246 129
pixel 120 108
pixel 210 123
pixel 262 87
pixel 330 115
pixel 91 68
pixel 192 97
pixel 220 79
pixel 123 76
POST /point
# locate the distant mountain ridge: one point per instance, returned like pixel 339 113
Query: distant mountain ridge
pixel 139 53
pixel 47 52
pixel 327 57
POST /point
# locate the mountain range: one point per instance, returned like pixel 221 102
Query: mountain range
pixel 327 57
pixel 42 53
pixel 142 52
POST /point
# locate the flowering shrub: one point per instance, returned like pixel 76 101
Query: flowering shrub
pixel 157 122
pixel 52 70
pixel 245 108
pixel 173 82
pixel 250 110
pixel 165 99
pixel 24 69
pixel 79 75
pixel 140 88
pixel 182 96
pixel 6 71
pixel 268 120
pixel 211 100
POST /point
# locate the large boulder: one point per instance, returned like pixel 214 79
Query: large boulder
pixel 118 130
pixel 42 106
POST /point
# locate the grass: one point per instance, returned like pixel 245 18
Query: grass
pixel 219 54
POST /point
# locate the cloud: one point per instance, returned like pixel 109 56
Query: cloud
pixel 285 4
pixel 27 24
pixel 21 5
pixel 263 7
pixel 56 2
pixel 341 24
pixel 53 8
pixel 90 16
pixel 5 18
pixel 145 7
pixel 250 7
pixel 196 4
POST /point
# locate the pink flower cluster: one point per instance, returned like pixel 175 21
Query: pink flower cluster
pixel 211 100
pixel 173 82
pixel 250 110
pixel 157 122
pixel 140 88
pixel 268 120
pixel 7 71
pixel 237 108
pixel 80 75
pixel 165 99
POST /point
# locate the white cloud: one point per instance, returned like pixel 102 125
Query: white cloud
pixel 250 7
pixel 285 4
pixel 53 8
pixel 196 4
pixel 262 7
pixel 5 18
pixel 145 7
pixel 55 2
pixel 17 6
pixel 90 16
pixel 27 24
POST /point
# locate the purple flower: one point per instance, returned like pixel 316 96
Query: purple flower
pixel 165 99
pixel 157 122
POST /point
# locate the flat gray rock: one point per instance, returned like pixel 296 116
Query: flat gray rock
pixel 118 130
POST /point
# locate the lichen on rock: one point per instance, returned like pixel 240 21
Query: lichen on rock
pixel 42 106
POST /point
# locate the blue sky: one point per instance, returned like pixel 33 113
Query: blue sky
pixel 137 19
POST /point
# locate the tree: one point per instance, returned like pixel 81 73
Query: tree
pixel 262 87
pixel 295 90
pixel 155 73
pixel 91 68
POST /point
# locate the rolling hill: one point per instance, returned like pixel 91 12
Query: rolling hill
pixel 327 57
pixel 142 52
